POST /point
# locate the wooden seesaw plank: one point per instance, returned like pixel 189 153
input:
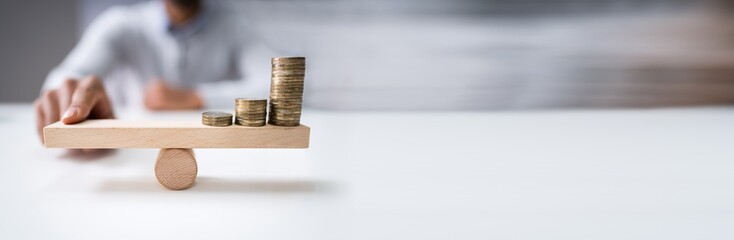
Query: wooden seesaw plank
pixel 171 134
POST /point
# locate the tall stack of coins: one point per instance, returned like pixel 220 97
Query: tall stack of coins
pixel 250 112
pixel 286 90
pixel 216 119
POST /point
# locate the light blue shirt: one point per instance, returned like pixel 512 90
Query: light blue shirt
pixel 216 53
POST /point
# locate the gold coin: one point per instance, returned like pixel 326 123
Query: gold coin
pixel 286 60
pixel 287 79
pixel 287 74
pixel 216 119
pixel 216 114
pixel 251 100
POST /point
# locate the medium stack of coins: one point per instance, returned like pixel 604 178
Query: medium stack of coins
pixel 286 90
pixel 250 112
pixel 216 119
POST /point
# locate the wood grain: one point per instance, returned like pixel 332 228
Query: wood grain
pixel 171 134
pixel 176 168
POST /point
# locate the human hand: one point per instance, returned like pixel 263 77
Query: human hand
pixel 162 96
pixel 78 100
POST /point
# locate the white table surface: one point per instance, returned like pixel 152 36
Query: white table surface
pixel 580 174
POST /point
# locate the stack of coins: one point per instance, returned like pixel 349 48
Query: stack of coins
pixel 216 119
pixel 250 112
pixel 286 90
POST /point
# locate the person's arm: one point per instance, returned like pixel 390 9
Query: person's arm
pixel 95 54
pixel 74 88
pixel 160 95
pixel 253 66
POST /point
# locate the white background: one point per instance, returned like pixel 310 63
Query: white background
pixel 604 174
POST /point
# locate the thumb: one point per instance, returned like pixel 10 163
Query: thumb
pixel 83 99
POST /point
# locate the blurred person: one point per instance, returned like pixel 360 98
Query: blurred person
pixel 181 54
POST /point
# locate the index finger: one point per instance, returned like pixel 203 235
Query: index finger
pixel 84 98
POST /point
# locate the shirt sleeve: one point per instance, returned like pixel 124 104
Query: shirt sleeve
pixel 96 52
pixel 253 65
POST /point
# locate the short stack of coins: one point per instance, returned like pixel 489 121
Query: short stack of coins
pixel 250 112
pixel 286 90
pixel 216 119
